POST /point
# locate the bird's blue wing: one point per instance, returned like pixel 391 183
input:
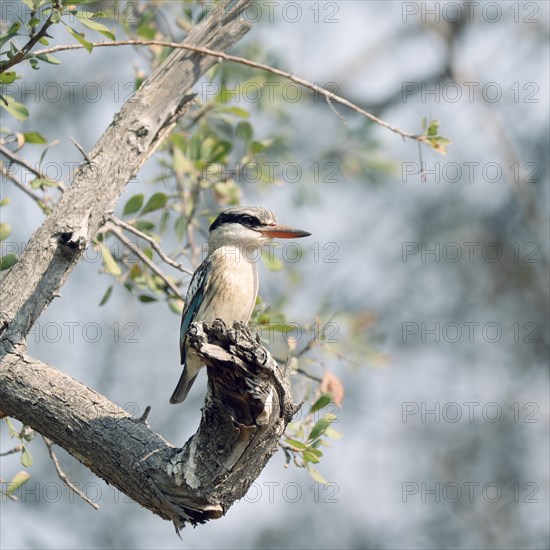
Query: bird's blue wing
pixel 195 295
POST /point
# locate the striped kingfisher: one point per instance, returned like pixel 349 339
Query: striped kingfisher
pixel 225 285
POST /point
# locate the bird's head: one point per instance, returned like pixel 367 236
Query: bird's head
pixel 250 227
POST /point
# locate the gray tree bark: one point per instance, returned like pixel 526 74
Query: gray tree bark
pixel 248 404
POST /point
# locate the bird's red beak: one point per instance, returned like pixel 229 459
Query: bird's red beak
pixel 277 231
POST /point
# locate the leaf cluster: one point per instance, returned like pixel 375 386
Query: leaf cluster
pixel 23 436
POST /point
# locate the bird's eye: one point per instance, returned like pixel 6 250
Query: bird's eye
pixel 249 221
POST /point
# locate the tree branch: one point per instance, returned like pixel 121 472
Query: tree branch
pixel 330 96
pixel 21 54
pixel 247 409
pixel 154 245
pixel 26 189
pixel 16 449
pixel 22 162
pixel 136 131
pixel 249 402
pixel 112 228
pixel 63 476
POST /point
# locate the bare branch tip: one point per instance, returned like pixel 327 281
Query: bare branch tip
pixel 79 147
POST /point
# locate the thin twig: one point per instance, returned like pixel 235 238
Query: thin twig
pixel 139 253
pixel 331 96
pixel 333 109
pixel 22 162
pixel 82 152
pixel 287 450
pixel 341 356
pixel 143 417
pixel 24 51
pixel 422 167
pixel 16 449
pixel 63 476
pixel 306 348
pixel 30 192
pixel 309 375
pixel 194 116
pixel 152 242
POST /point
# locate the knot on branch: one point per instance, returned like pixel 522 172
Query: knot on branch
pixel 246 411
pixel 241 373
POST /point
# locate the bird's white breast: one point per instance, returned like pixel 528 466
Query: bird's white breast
pixel 232 288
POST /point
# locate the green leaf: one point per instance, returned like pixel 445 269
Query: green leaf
pixel 146 299
pixel 45 151
pixel 226 94
pixel 333 434
pixel 5 230
pixel 14 28
pixel 433 128
pixel 298 445
pixel 316 475
pixel 179 142
pixel 311 455
pixel 227 190
pixel 34 137
pixel 180 227
pixel 158 200
pixel 111 265
pixel 315 452
pixel 26 458
pixel 164 220
pixel 12 31
pixel 143 225
pixel 439 144
pixel 238 111
pixel 220 151
pixel 181 162
pixel 56 15
pixel 7 261
pixel 14 108
pixel 258 147
pixel 17 480
pixel 86 18
pixel 176 306
pixel 33 22
pixel 11 429
pixel 13 51
pixel 146 31
pixel 41 183
pixel 321 403
pixel 133 205
pixel 244 130
pixel 106 296
pixel 8 77
pixel 48 59
pixel 321 426
pixel 29 434
pixel 80 38
pixel 194 147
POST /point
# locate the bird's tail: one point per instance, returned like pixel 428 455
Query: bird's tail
pixel 184 385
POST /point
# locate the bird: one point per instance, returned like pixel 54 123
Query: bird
pixel 225 285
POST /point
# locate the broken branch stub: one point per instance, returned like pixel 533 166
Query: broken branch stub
pixel 246 411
